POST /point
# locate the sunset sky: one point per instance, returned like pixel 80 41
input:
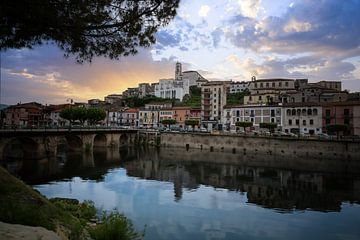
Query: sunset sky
pixel 314 39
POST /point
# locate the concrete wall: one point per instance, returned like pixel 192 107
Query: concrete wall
pixel 263 146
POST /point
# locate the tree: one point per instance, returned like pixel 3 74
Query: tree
pixel 86 28
pixel 192 123
pixel 80 113
pixel 244 125
pixel 94 115
pixel 68 114
pixel 337 128
pixel 168 122
pixel 270 126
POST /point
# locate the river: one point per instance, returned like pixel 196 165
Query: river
pixel 179 194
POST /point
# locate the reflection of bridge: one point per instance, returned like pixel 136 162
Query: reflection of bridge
pixel 40 143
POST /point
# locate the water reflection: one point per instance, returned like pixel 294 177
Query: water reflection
pixel 273 185
pixel 201 195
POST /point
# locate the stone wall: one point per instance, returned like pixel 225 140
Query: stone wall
pixel 322 150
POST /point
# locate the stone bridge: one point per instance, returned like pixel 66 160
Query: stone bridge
pixel 41 143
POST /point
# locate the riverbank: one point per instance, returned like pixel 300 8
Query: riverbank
pixel 25 212
pixel 265 146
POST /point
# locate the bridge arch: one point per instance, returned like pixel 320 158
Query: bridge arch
pixel 124 139
pixel 100 140
pixel 74 142
pixel 22 148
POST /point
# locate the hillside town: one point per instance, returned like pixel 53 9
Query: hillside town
pixel 191 102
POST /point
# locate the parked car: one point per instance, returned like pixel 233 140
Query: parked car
pixel 323 136
pixel 280 134
pixel 290 134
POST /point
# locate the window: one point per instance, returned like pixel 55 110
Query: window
pixel 286 84
pixel 237 113
pixel 346 112
pixel 280 84
pixel 304 122
pixel 272 120
pixel 261 85
pixel 314 111
pixel 272 112
pixel 288 112
pixel 273 84
pixel 290 121
pixel 327 112
pixel 293 112
pixel 267 84
pixel 297 121
pixel 214 112
pixel 260 98
pixel 311 122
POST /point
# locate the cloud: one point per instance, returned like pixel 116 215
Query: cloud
pixel 249 8
pixel 30 75
pixel 204 10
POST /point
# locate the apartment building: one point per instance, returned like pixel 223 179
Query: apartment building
pixel 273 85
pixel 213 100
pixel 236 87
pixel 129 117
pixel 344 113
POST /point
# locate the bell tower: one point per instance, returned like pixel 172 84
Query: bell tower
pixel 178 71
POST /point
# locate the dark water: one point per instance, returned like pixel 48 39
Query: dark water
pixel 181 194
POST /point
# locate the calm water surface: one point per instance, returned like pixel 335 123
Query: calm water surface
pixel 196 195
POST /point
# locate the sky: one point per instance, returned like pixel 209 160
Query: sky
pixel 222 39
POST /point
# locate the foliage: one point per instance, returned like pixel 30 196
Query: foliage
pixel 168 121
pixel 193 99
pixel 114 226
pixel 244 124
pixel 140 102
pixel 81 114
pixel 111 28
pixel 68 114
pixel 337 128
pixel 270 126
pixel 191 122
pixel 236 98
pixel 95 115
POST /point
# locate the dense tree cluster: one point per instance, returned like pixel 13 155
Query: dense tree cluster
pixel 81 114
pixel 270 126
pixel 244 125
pixel 84 28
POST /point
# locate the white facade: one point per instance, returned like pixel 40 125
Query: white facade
pixel 236 87
pixel 148 118
pixel 180 86
pixel 252 113
pixel 113 118
pixel 171 88
pixel 305 118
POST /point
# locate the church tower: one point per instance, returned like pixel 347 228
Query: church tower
pixel 178 71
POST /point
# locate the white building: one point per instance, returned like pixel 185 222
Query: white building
pixel 171 88
pixel 130 117
pixel 236 87
pixel 213 100
pixel 179 86
pixel 305 118
pixel 252 113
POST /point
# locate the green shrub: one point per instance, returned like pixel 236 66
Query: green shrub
pixel 114 226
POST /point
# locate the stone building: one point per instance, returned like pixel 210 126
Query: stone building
pixel 303 118
pixel 252 113
pixel 25 115
pixel 236 87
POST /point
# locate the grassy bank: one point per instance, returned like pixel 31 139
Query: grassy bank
pixel 70 219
